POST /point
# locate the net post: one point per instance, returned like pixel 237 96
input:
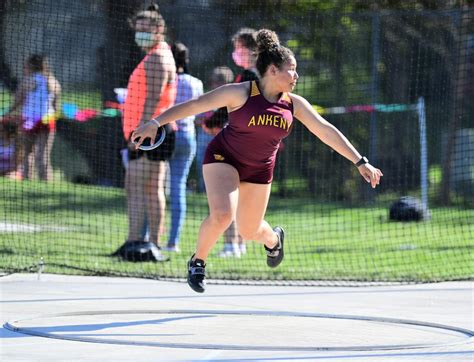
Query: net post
pixel 423 152
pixel 40 267
pixel 374 86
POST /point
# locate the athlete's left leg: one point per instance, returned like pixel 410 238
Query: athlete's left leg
pixel 253 202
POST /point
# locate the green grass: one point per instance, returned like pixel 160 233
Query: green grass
pixel 82 225
pixel 5 101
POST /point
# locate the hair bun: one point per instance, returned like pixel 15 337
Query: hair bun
pixel 154 7
pixel 267 39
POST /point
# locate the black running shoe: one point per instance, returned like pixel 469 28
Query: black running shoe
pixel 276 254
pixel 196 275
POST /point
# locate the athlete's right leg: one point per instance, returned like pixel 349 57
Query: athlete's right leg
pixel 222 183
pixel 222 188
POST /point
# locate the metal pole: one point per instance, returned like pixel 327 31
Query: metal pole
pixel 423 153
pixel 40 267
pixel 374 86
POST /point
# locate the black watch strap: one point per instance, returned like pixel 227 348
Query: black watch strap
pixel 362 161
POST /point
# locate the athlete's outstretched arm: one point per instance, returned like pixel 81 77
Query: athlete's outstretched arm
pixel 331 136
pixel 229 95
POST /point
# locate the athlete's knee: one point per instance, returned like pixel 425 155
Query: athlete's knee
pixel 222 217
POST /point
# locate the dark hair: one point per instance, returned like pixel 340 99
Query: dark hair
pixel 151 13
pixel 270 51
pixel 37 63
pixel 222 75
pixel 181 56
pixel 248 38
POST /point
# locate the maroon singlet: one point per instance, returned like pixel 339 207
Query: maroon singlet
pixel 251 140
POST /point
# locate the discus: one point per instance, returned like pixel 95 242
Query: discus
pixel 148 145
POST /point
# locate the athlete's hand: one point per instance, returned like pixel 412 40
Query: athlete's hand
pixel 147 130
pixel 371 174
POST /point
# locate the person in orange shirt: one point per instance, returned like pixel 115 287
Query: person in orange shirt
pixel 151 90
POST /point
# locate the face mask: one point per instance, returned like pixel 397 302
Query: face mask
pixel 237 58
pixel 144 39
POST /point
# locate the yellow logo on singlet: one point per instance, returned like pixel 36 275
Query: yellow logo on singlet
pixel 218 157
pixel 269 120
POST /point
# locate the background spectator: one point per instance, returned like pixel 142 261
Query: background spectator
pixel 151 90
pixel 38 97
pixel 245 54
pixel 188 87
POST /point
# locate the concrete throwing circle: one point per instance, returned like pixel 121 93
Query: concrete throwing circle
pixel 242 330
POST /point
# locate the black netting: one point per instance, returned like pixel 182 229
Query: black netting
pixel 395 78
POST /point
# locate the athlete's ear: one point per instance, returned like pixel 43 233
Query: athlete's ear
pixel 273 69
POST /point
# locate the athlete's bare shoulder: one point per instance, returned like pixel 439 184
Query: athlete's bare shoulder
pixel 295 97
pixel 237 87
pixel 299 102
pixel 236 94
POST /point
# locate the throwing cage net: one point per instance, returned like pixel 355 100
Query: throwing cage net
pixel 395 78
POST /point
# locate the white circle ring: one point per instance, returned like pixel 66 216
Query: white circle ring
pixel 464 334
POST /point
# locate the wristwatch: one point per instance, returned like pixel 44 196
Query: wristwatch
pixel 362 161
